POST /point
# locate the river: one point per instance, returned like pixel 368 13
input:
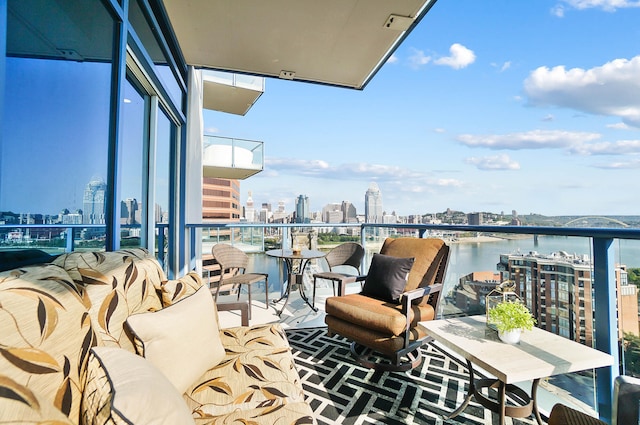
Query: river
pixel 467 257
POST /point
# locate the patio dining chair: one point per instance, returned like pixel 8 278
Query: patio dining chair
pixel 348 255
pixel 233 264
pixel 402 288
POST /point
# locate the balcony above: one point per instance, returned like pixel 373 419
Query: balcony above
pixel 232 93
pixel 227 158
pixel 337 42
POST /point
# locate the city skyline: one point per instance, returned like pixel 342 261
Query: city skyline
pixel 486 106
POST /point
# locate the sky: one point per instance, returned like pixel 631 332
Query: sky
pixel 500 105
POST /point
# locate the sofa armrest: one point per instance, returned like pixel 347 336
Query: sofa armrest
pixel 243 306
pixel 407 299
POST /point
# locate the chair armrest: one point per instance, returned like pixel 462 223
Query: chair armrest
pixel 343 284
pixel 242 306
pixel 407 299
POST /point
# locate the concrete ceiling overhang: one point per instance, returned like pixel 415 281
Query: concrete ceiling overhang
pixel 336 42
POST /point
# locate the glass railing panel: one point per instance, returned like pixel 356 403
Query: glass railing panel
pixel 628 273
pixel 233 153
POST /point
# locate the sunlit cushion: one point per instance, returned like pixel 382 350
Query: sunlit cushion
pixel 387 277
pixel 176 289
pixel 182 340
pixel 19 405
pixel 123 387
pixel 45 334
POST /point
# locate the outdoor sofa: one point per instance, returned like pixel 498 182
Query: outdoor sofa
pixel 104 337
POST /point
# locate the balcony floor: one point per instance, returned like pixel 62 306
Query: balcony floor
pixel 422 396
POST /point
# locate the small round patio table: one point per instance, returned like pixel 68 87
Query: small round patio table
pixel 295 263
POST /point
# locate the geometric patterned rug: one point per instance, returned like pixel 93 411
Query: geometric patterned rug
pixel 342 392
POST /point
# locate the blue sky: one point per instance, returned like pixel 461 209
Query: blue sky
pixel 501 105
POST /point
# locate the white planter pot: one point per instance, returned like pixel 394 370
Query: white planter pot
pixel 510 337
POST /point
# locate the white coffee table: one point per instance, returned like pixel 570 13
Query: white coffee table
pixel 539 354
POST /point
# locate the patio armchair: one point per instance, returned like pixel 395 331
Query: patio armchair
pixel 625 411
pixel 349 255
pixel 233 264
pixel 401 289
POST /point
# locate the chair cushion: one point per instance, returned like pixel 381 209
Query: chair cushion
pixel 181 340
pixel 176 289
pixel 428 253
pixel 378 315
pixel 387 277
pixel 258 372
pixel 125 388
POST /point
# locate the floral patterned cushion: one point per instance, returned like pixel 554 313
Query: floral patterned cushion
pixel 258 372
pixel 297 413
pixel 19 405
pixel 177 289
pixel 119 283
pixel 45 337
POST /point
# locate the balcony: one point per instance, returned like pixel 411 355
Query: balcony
pixel 231 158
pixel 231 93
pixel 483 251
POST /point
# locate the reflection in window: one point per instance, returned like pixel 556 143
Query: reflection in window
pixel 133 166
pixel 165 138
pixel 53 156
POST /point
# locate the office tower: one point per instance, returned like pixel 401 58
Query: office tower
pixel 220 199
pixel 349 214
pixel 129 211
pixel 302 209
pixel 373 204
pixel 250 211
pixel 475 219
pixel 93 202
pixel 332 213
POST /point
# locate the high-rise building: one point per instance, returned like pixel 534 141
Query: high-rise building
pixel 220 199
pixel 280 215
pixel 303 214
pixel 250 211
pixel 373 204
pixel 129 211
pixel 349 214
pixel 93 202
pixel 557 288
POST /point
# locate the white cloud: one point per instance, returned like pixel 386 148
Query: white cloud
pixel 535 139
pixel 548 118
pixel 494 163
pixel 619 126
pixel 392 59
pixel 461 57
pixel 505 66
pixel 606 5
pixel 401 178
pixel 558 11
pixel 418 58
pixel 621 147
pixel 211 130
pixel 612 89
pixel 439 130
pixel 622 165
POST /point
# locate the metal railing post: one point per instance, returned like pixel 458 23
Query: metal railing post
pixel 69 239
pixel 606 321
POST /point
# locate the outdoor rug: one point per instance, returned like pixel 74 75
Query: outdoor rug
pixel 342 392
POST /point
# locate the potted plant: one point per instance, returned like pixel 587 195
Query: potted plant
pixel 511 318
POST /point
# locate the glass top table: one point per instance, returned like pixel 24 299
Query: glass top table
pixel 539 354
pixel 296 262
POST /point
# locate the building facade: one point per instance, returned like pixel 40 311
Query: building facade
pixel 303 214
pixel 221 200
pixel 557 289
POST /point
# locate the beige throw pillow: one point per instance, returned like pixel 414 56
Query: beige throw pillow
pixel 181 340
pixel 122 388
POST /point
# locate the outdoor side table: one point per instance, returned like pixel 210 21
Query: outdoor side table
pixel 539 354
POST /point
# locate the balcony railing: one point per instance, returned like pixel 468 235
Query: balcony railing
pixel 605 246
pixel 231 158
